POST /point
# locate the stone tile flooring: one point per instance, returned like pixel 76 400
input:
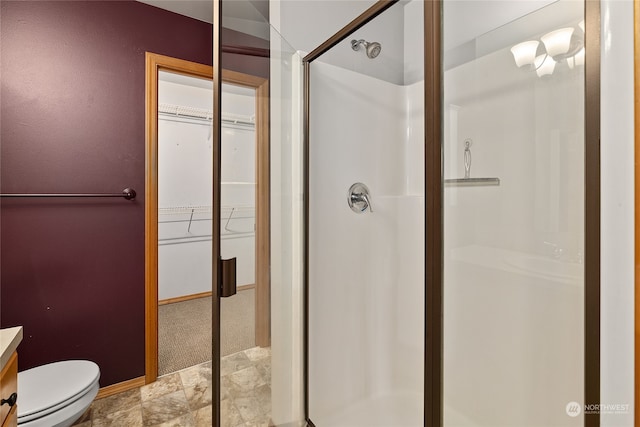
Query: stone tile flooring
pixel 183 399
pixel 245 388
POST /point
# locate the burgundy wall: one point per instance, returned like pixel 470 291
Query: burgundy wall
pixel 72 120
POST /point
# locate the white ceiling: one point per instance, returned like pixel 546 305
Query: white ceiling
pixel 464 19
pixel 197 9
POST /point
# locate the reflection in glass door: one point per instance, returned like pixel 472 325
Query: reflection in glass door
pixel 514 147
pixel 184 221
pixel 260 174
pixel 245 366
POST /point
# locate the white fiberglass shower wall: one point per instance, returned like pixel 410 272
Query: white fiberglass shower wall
pixel 366 270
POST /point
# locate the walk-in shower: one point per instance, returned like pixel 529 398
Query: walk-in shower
pixel 366 250
pixel 511 284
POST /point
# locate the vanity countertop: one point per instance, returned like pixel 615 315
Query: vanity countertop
pixel 9 340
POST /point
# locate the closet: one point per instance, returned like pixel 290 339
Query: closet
pixel 185 208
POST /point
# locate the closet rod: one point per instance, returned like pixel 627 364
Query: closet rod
pixel 224 120
pixel 127 193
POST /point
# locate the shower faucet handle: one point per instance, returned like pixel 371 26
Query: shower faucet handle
pixel 365 197
pixel 358 198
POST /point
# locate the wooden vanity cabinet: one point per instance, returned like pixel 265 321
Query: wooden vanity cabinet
pixel 8 386
pixel 12 418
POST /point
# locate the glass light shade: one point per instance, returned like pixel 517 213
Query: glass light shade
pixel 544 65
pixel 557 42
pixel 581 25
pixel 525 53
pixel 579 57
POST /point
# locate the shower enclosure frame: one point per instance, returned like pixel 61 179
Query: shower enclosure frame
pixel 433 199
pixel 434 257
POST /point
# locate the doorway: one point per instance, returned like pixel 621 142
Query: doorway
pixel 179 211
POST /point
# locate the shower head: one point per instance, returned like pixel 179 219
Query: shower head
pixel 372 48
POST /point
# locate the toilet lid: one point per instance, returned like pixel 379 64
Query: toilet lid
pixel 47 387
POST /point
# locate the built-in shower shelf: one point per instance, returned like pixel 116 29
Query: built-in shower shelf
pixel 471 182
pixel 237 183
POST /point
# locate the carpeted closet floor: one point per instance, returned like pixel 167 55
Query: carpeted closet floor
pixel 184 330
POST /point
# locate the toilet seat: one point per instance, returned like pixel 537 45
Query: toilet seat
pixel 45 389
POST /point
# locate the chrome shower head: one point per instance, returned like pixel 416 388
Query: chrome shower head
pixel 372 48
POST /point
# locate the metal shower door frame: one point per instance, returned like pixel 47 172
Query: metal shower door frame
pixel 433 200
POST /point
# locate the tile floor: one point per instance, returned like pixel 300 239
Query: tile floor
pixel 183 399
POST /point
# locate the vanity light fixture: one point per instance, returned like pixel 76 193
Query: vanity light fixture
pixel 557 45
pixel 558 42
pixel 544 65
pixel 525 53
pixel 576 60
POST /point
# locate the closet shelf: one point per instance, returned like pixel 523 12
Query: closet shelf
pixel 229 217
pixel 204 114
pixel 237 183
pixel 181 210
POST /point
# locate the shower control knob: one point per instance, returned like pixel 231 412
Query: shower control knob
pixel 358 198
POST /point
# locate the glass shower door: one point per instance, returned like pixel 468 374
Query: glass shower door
pixel 261 209
pixel 514 214
pixel 366 225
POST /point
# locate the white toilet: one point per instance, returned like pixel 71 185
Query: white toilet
pixel 57 394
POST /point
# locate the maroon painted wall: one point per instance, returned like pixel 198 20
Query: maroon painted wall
pixel 72 120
